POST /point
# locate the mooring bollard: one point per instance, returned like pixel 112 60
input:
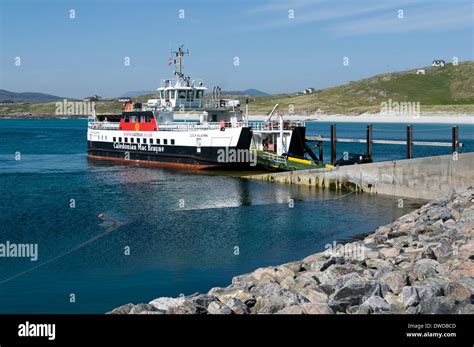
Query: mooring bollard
pixel 333 144
pixel 369 140
pixel 409 142
pixel 455 139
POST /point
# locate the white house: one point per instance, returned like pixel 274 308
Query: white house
pixel 421 72
pixel 438 63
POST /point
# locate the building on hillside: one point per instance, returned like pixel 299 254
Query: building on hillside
pixel 308 91
pixel 421 72
pixel 92 98
pixel 438 63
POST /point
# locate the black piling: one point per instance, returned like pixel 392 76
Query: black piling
pixel 333 144
pixel 455 139
pixel 369 140
pixel 409 142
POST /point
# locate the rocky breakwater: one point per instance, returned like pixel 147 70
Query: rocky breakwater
pixel 422 263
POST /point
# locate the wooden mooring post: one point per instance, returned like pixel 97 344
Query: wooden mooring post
pixel 369 140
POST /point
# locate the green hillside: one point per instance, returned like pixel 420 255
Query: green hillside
pixel 447 89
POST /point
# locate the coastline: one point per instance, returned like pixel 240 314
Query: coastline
pixel 422 263
pixel 424 118
pixel 428 118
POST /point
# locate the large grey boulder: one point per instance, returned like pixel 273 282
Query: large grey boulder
pixel 425 268
pixel 166 303
pixel 217 307
pixel 409 297
pixel 144 309
pixel 237 306
pixel 355 293
pixel 374 304
pixel 395 281
pixel 124 309
pixel 428 292
pixel 437 305
pixel 200 302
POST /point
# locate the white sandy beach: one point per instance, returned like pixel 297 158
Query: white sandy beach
pixel 367 118
pixel 380 118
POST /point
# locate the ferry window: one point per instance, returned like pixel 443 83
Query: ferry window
pixel 172 141
pixel 165 141
pixel 190 94
pixel 126 120
pixel 157 141
pixel 151 141
pixel 199 94
pixel 114 139
pixel 120 139
pixel 181 94
pixel 131 139
pixel 162 94
pixel 138 140
pixel 126 139
pixel 172 94
pixel 167 94
pixel 144 140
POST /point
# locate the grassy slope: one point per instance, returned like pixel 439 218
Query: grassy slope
pixel 444 89
pixel 448 89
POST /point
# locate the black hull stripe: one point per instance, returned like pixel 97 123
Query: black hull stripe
pixel 186 155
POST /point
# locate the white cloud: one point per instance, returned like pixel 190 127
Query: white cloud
pixel 284 5
pixel 426 18
pixel 349 18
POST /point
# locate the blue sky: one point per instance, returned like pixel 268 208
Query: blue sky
pixel 85 55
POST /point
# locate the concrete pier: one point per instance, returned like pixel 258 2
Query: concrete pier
pixel 424 178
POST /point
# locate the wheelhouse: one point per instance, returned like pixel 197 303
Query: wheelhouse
pixel 182 96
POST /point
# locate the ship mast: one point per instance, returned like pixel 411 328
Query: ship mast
pixel 179 55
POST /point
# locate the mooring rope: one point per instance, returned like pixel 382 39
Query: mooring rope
pixel 101 216
pixel 339 197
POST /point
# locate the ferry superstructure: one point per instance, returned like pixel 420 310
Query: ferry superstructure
pixel 148 133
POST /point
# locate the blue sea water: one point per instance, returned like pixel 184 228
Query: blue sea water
pixel 181 227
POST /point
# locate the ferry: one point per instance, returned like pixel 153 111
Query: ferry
pixel 221 137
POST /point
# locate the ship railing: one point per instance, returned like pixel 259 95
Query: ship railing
pixel 271 157
pixel 275 125
pixel 104 125
pixel 190 126
pixel 195 126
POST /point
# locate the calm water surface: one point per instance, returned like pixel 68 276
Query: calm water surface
pixel 181 227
